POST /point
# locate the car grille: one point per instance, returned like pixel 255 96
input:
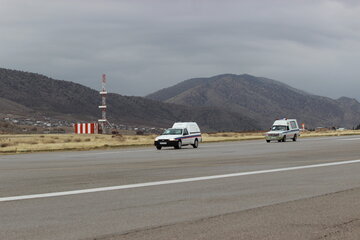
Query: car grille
pixel 273 135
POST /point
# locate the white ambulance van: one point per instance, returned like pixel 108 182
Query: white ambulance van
pixel 283 129
pixel 181 134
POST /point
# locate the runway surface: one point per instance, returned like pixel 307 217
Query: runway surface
pixel 236 190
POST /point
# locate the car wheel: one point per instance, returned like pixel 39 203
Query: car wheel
pixel 284 139
pixel 294 138
pixel 179 145
pixel 158 147
pixel 267 141
pixel 196 144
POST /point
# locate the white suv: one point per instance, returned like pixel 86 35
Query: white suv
pixel 283 129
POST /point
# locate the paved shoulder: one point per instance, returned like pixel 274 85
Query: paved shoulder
pixel 327 217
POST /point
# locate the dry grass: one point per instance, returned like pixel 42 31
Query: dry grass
pixel 331 133
pixel 231 136
pixel 234 136
pixel 53 142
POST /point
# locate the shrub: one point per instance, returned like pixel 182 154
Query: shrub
pixel 118 137
pixel 5 145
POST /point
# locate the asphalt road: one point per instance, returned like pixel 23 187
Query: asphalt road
pixel 317 202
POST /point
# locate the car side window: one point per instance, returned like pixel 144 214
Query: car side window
pixel 186 132
pixel 293 124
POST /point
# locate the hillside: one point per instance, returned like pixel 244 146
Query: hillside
pixel 11 107
pixel 262 99
pixel 30 94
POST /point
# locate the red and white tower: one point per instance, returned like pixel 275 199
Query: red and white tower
pixel 103 122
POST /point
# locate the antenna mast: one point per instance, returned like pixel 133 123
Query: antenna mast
pixel 103 121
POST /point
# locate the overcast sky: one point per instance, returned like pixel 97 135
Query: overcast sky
pixel 146 45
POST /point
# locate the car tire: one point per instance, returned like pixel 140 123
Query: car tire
pixel 158 147
pixel 179 145
pixel 294 138
pixel 267 141
pixel 284 139
pixel 196 144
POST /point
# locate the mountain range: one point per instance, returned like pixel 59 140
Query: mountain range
pixel 225 102
pixel 263 100
pixel 31 94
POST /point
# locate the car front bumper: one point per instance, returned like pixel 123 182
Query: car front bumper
pixel 274 138
pixel 166 143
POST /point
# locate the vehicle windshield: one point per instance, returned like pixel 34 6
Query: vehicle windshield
pixel 172 131
pixel 278 128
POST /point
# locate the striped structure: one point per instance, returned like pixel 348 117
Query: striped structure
pixel 86 128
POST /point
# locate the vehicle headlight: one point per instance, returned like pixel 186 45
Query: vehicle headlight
pixel 156 139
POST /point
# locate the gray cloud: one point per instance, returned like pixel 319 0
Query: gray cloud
pixel 146 45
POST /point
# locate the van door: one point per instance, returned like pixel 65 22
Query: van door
pixel 290 134
pixel 186 139
pixel 293 127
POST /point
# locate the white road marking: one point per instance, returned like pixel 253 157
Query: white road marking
pixel 184 180
pixel 349 139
